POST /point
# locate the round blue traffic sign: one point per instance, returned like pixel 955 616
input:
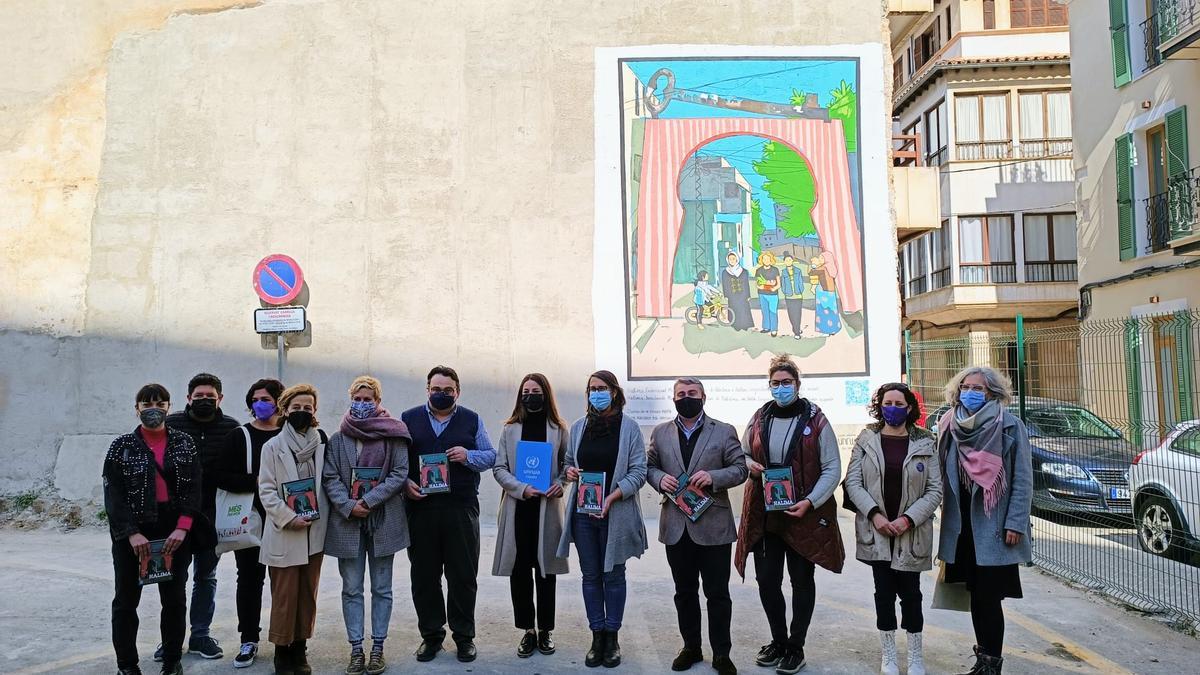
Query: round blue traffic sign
pixel 278 280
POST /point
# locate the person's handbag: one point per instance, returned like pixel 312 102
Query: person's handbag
pixel 237 523
pixel 952 596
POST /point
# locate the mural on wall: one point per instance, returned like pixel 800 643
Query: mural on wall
pixel 742 209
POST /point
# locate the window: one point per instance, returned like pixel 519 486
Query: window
pixel 1188 442
pixel 935 135
pixel 1050 249
pixel 981 128
pixel 1037 13
pixel 989 14
pixel 917 261
pixel 1045 118
pixel 985 250
pixel 898 73
pixel 928 44
pixel 940 259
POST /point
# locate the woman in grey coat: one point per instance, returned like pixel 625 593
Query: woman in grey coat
pixel 608 442
pixel 529 523
pixel 986 461
pixel 894 486
pixel 366 469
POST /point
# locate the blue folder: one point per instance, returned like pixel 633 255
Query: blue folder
pixel 535 464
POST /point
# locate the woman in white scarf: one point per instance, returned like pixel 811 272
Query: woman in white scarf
pixel 292 544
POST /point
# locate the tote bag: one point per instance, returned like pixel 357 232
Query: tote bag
pixel 238 524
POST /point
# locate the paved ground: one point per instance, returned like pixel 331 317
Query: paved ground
pixel 56 590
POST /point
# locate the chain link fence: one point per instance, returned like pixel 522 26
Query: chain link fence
pixel 1111 410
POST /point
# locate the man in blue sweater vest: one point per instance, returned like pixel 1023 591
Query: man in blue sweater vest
pixel 444 527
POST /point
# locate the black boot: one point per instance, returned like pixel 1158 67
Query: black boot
pixel 595 655
pixel 976 669
pixel 299 652
pixel 612 651
pixel 991 664
pixel 283 660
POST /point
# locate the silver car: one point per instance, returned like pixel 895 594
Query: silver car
pixel 1165 485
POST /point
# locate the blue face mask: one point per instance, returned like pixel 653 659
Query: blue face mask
pixel 972 400
pixel 784 394
pixel 361 410
pixel 600 400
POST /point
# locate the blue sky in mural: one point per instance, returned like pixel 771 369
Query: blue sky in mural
pixel 769 80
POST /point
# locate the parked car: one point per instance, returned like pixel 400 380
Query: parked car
pixel 1165 483
pixel 1080 463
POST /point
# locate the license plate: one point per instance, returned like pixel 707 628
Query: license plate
pixel 1118 493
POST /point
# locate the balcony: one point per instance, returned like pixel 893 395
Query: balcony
pixel 990 292
pixel 968 151
pixel 1178 27
pixel 1045 148
pixel 1158 232
pixel 1150 41
pixel 1042 272
pixel 917 189
pixel 991 273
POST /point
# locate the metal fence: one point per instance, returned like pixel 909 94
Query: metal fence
pixel 1111 410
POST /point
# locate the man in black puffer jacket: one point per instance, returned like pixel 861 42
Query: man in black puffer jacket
pixel 203 420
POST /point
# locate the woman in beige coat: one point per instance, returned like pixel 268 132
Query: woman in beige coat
pixel 293 545
pixel 530 521
pixel 894 485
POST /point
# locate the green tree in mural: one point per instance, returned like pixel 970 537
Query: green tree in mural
pixel 756 226
pixel 790 184
pixel 843 105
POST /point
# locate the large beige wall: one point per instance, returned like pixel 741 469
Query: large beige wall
pixel 430 167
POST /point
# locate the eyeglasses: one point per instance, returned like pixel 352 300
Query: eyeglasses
pixel 597 389
pixel 972 387
pixel 782 383
pixel 441 390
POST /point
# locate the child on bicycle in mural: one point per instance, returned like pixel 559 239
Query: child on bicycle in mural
pixel 702 297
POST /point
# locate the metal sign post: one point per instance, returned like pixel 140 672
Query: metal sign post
pixel 281 341
pixel 278 280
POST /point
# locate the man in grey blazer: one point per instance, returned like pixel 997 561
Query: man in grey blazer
pixel 710 453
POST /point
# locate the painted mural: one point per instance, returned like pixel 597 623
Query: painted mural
pixel 742 207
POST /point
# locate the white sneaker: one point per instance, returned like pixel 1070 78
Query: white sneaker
pixel 916 654
pixel 890 663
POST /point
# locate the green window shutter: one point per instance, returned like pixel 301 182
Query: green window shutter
pixel 1118 23
pixel 1127 241
pixel 1184 375
pixel 1133 380
pixel 1180 214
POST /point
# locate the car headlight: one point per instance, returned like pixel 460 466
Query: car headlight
pixel 1064 470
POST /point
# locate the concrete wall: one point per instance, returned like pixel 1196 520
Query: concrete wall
pixel 430 167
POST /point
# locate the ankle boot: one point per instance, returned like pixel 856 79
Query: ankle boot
pixel 595 655
pixel 916 654
pixel 977 668
pixel 991 664
pixel 283 660
pixel 612 651
pixel 300 658
pixel 889 664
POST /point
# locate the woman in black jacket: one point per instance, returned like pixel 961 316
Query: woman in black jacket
pixel 233 475
pixel 151 494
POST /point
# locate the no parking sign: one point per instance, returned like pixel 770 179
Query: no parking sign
pixel 278 279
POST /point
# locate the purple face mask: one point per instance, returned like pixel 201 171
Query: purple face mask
pixel 894 416
pixel 263 410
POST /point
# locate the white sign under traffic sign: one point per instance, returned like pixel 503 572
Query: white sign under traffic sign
pixel 279 320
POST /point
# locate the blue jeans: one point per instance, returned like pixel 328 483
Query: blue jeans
pixel 603 592
pixel 353 571
pixel 204 591
pixel 769 302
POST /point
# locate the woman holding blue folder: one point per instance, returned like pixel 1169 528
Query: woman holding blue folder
pixel 609 444
pixel 529 523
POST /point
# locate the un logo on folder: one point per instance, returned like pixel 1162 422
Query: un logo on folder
pixel 532 462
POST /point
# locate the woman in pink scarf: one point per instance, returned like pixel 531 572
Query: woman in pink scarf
pixel 988 488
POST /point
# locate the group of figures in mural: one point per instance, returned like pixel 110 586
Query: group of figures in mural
pixel 742 209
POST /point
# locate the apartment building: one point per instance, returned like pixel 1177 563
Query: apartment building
pixel 982 92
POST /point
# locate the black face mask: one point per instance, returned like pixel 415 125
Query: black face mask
pixel 533 402
pixel 300 420
pixel 440 400
pixel 689 407
pixel 152 418
pixel 204 408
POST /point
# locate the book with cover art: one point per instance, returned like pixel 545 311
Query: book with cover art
pixel 693 501
pixel 363 479
pixel 301 497
pixel 435 472
pixel 779 492
pixel 590 496
pixel 157 568
pixel 535 464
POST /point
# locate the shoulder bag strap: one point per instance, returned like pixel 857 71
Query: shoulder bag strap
pixel 249 462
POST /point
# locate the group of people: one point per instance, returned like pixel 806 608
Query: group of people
pixel 778 283
pixel 160 483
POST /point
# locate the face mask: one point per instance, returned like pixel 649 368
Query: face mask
pixel 361 410
pixel 263 410
pixel 600 400
pixel 784 395
pixel 689 407
pixel 204 408
pixel 440 400
pixel 300 420
pixel 972 400
pixel 894 416
pixel 533 402
pixel 152 418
